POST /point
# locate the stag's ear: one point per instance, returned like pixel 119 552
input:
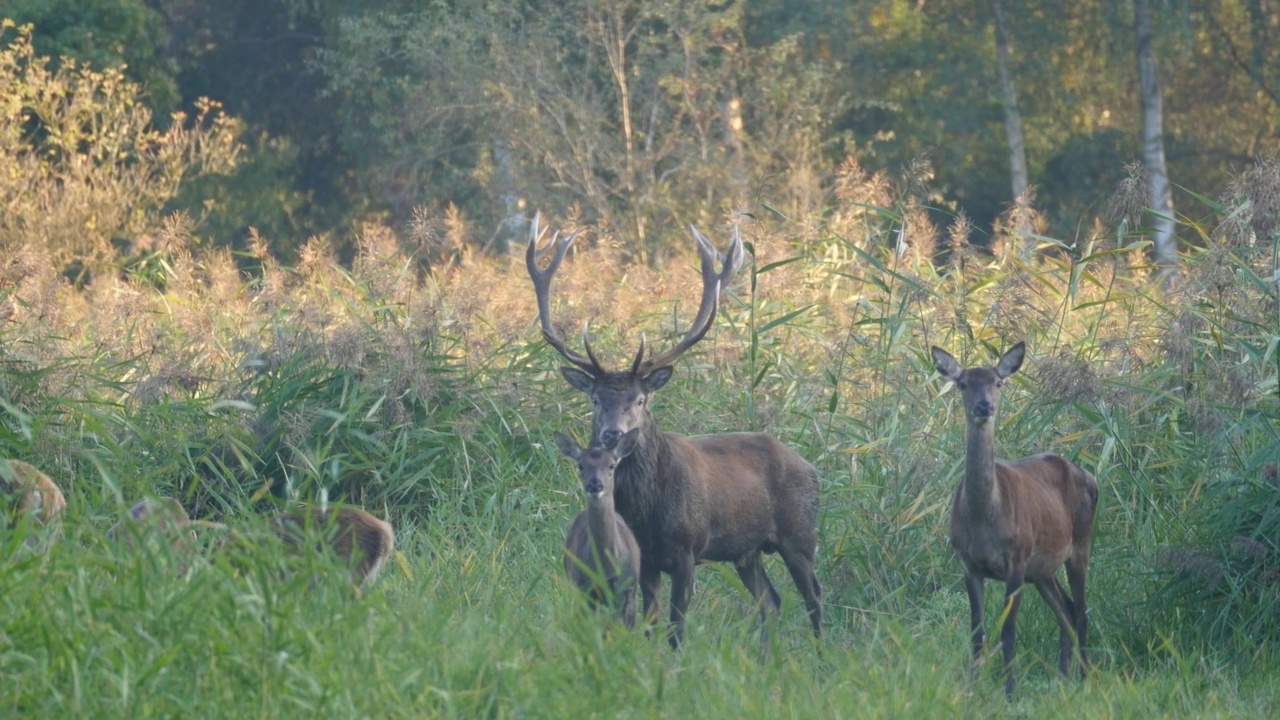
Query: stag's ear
pixel 626 443
pixel 578 379
pixel 568 446
pixel 947 365
pixel 654 381
pixel 1011 361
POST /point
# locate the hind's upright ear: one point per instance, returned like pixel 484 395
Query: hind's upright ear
pixel 568 446
pixel 1011 360
pixel 947 365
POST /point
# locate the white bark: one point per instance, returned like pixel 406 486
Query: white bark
pixel 1164 242
pixel 1013 131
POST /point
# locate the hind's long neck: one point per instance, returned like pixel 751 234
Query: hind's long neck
pixel 982 496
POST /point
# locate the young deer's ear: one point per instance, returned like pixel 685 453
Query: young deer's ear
pixel 568 446
pixel 947 365
pixel 1011 360
pixel 578 379
pixel 626 443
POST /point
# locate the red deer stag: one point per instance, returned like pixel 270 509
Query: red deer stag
pixel 26 490
pixel 599 547
pixel 727 497
pixel 1019 521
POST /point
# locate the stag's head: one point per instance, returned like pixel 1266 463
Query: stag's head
pixel 620 398
pixel 980 386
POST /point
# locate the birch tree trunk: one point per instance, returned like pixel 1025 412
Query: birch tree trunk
pixel 1013 133
pixel 1164 242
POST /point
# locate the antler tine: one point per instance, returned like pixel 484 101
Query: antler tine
pixel 712 283
pixel 639 361
pixel 586 343
pixel 542 288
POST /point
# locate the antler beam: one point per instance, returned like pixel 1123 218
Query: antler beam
pixel 712 283
pixel 542 288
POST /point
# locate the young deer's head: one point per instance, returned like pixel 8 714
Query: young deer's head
pixel 980 386
pixel 621 398
pixel 597 463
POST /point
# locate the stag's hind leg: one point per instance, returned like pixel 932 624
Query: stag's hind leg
pixel 800 564
pixel 751 572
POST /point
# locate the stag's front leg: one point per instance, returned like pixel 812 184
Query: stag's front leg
pixel 681 591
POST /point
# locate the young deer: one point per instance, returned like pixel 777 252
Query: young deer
pixel 727 497
pixel 26 490
pixel 1020 521
pixel 599 546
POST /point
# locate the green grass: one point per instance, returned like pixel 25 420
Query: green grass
pixel 431 402
pixel 486 626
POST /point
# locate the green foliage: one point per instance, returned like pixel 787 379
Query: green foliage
pixel 126 34
pixel 82 166
pixel 648 116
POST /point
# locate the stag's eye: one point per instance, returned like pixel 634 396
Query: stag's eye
pixel 595 401
pixel 613 466
pixel 999 383
pixel 962 385
pixel 640 401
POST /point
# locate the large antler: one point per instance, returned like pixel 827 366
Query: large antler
pixel 712 283
pixel 542 287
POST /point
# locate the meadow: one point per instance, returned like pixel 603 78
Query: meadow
pixel 415 384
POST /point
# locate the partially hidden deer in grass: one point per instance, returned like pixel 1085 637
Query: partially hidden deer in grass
pixel 726 497
pixel 352 534
pixel 1018 521
pixel 24 490
pixel 601 556
pixel 160 521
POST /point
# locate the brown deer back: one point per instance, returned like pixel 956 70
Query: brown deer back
pixel 31 491
pixel 349 532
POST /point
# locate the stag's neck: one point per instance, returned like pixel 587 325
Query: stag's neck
pixel 601 524
pixel 982 496
pixel 643 476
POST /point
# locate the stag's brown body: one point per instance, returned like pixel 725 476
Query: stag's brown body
pixel 1019 521
pixel 728 497
pixel 26 490
pixel 599 544
pixel 351 533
